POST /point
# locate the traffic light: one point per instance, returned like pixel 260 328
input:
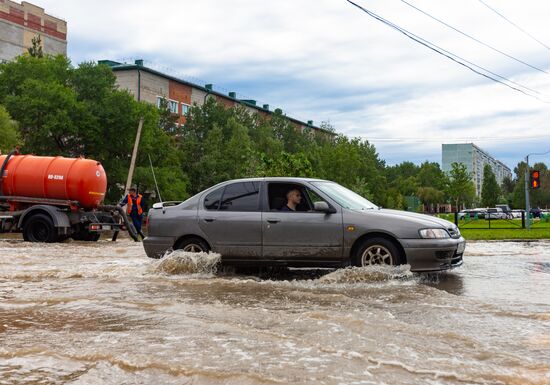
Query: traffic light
pixel 535 179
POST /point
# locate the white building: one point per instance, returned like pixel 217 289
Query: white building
pixel 475 160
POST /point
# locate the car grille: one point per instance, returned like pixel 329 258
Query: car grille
pixel 454 232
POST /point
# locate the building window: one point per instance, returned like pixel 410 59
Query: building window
pixel 173 106
pixel 185 109
pixel 160 100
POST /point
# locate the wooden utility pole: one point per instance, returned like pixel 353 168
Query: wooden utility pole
pixel 134 156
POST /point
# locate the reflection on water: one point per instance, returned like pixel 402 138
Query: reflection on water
pixel 89 313
pixel 451 282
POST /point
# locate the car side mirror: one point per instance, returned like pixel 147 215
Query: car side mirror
pixel 323 207
pixel 158 205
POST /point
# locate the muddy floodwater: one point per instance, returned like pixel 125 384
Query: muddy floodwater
pixel 103 313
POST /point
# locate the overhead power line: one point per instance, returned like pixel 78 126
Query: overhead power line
pixel 450 139
pixel 475 39
pixel 457 59
pixel 514 24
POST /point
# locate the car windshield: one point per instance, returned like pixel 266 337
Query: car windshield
pixel 344 197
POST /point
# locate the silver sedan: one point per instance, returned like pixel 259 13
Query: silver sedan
pixel 301 222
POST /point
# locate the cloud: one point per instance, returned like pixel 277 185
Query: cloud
pixel 327 61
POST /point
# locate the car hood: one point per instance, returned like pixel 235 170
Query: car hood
pixel 418 219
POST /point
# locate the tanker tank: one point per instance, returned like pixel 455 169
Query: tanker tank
pixel 72 179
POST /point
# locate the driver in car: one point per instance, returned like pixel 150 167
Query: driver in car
pixel 293 199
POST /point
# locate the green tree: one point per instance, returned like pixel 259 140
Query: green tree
pixel 402 182
pixel 461 189
pixel 48 114
pixel 35 49
pixel 348 161
pixel 508 185
pixel 285 164
pixel 429 196
pixel 541 197
pixel 431 175
pixel 167 120
pixel 69 111
pixel 518 196
pixel 9 134
pixel 490 191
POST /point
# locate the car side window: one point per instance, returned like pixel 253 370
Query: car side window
pixel 212 200
pixel 241 196
pixel 277 196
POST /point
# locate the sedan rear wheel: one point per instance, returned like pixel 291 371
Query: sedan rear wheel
pixel 193 245
pixel 377 251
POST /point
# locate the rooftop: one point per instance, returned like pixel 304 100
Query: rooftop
pixel 116 66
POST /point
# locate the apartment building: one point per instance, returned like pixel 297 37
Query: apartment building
pixel 152 86
pixel 20 23
pixel 475 160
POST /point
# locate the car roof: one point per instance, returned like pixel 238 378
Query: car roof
pixel 278 179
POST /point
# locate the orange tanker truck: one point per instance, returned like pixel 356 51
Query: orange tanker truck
pixel 51 199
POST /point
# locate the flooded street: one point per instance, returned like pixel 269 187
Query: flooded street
pixel 104 313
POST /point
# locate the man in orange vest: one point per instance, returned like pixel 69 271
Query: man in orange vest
pixel 134 209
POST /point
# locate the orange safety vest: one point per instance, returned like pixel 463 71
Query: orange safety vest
pixel 131 203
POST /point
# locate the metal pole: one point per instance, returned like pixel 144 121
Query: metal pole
pixel 527 208
pixel 134 156
pixel 154 178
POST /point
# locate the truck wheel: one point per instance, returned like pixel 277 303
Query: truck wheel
pixel 39 228
pixel 377 251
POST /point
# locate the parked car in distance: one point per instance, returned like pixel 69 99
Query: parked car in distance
pixel 332 226
pixel 517 213
pixel 535 212
pixel 495 213
pixel 472 213
pixel 506 209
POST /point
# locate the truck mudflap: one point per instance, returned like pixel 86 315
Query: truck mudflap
pixel 127 223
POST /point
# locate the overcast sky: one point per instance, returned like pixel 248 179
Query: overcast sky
pixel 326 60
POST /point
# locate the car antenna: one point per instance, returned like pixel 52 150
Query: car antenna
pixel 154 177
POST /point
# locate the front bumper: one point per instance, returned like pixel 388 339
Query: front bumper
pixel 434 254
pixel 156 247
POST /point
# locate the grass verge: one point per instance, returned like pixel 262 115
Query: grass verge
pixel 502 234
pixel 478 229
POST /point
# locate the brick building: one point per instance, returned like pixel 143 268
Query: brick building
pixel 149 85
pixel 20 23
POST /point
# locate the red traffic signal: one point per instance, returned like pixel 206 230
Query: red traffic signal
pixel 535 179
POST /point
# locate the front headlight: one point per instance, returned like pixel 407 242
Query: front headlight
pixel 434 233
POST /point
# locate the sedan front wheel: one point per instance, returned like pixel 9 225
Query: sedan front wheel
pixel 377 251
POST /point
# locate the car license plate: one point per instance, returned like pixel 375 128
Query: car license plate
pixel 106 227
pixel 461 247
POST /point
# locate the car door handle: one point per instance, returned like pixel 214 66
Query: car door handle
pixel 209 219
pixel 273 220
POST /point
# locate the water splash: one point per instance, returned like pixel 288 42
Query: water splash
pixel 375 273
pixel 182 262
